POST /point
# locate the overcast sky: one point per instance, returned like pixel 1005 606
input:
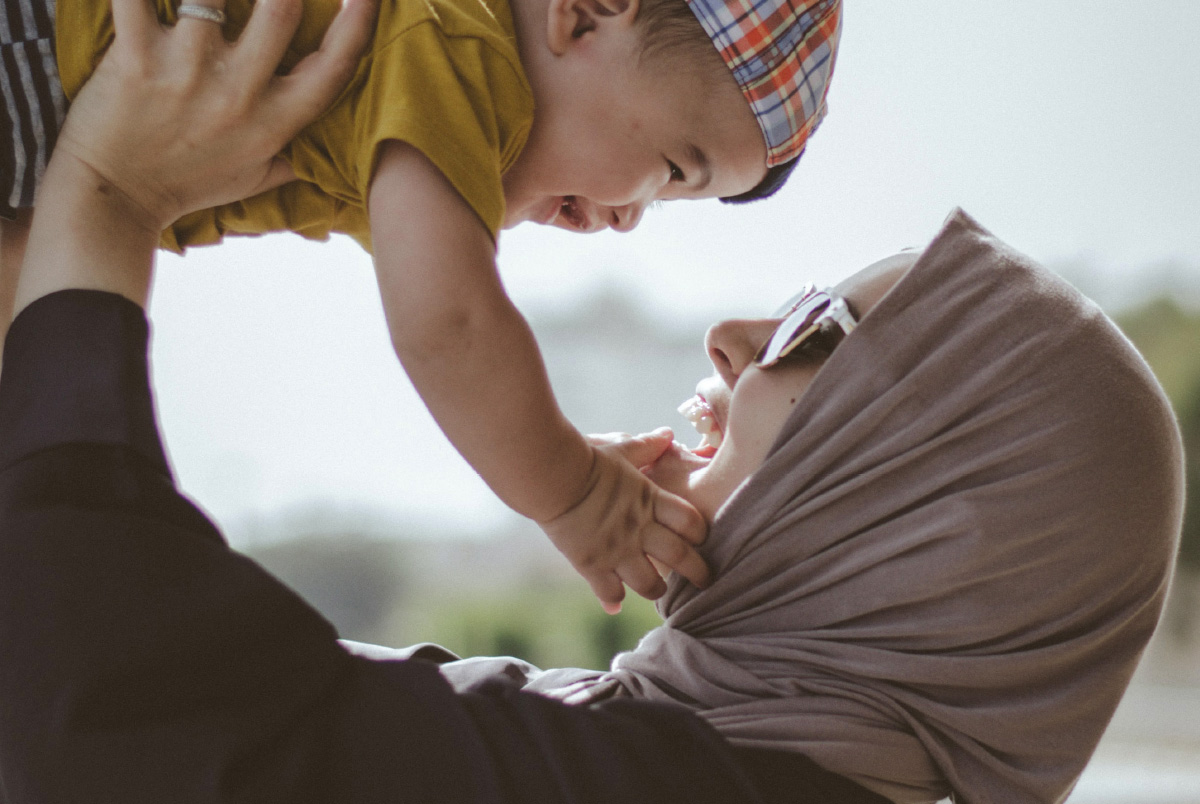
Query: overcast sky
pixel 1070 129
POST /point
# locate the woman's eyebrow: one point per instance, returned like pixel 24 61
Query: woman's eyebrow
pixel 700 160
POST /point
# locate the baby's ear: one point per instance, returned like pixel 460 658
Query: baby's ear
pixel 569 20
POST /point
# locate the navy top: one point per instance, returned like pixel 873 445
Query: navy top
pixel 142 660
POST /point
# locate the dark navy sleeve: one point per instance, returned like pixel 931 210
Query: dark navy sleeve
pixel 142 660
pixel 76 372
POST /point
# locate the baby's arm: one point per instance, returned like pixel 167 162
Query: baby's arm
pixel 473 359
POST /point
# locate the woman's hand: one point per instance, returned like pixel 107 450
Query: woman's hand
pixel 175 119
pixel 178 119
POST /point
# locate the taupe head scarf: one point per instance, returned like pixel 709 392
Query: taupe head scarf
pixel 944 573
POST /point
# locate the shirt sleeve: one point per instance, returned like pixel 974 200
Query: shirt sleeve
pixel 458 101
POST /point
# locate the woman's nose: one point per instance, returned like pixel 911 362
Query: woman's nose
pixel 733 343
pixel 626 218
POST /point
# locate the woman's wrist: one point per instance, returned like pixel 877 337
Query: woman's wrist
pixel 86 233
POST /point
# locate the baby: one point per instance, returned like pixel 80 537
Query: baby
pixel 466 117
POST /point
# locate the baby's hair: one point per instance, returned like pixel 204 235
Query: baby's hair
pixel 670 30
pixel 671 34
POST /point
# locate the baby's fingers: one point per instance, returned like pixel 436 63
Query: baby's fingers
pixel 641 576
pixel 667 549
pixel 645 449
pixel 679 515
pixel 608 589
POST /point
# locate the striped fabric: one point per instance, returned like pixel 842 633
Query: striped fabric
pixel 33 105
pixel 781 53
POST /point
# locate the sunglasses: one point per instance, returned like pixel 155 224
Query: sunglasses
pixel 814 322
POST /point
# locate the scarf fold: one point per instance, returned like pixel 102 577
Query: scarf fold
pixel 946 569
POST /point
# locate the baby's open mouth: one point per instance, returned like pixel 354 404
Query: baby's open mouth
pixel 697 411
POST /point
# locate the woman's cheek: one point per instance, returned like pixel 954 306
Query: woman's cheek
pixel 761 406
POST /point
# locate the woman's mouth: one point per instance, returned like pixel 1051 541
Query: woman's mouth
pixel 571 214
pixel 697 411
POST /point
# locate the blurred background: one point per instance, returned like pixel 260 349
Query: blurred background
pixel 1070 129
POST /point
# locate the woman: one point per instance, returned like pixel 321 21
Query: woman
pixel 938 552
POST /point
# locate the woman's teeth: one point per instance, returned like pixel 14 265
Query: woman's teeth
pixel 700 414
pixel 570 212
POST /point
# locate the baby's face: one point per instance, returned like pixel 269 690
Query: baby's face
pixel 748 405
pixel 611 135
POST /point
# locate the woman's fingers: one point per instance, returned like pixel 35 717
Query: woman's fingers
pixel 314 83
pixel 278 173
pixel 178 119
pixel 200 24
pixel 135 22
pixel 265 39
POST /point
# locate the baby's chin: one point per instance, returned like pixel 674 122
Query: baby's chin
pixel 674 469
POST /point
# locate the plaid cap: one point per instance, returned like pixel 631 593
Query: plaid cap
pixel 781 53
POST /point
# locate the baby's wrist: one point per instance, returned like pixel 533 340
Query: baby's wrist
pixel 577 492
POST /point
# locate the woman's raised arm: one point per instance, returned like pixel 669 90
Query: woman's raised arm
pixel 175 119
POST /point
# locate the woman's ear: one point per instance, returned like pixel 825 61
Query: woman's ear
pixel 570 20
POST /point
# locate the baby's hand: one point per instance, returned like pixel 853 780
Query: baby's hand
pixel 624 521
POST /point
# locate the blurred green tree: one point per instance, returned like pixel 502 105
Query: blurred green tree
pixel 558 625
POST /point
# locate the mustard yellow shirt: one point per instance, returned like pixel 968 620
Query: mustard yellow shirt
pixel 441 75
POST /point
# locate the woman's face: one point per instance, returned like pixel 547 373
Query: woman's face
pixel 749 404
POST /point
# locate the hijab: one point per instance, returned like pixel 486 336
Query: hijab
pixel 942 576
